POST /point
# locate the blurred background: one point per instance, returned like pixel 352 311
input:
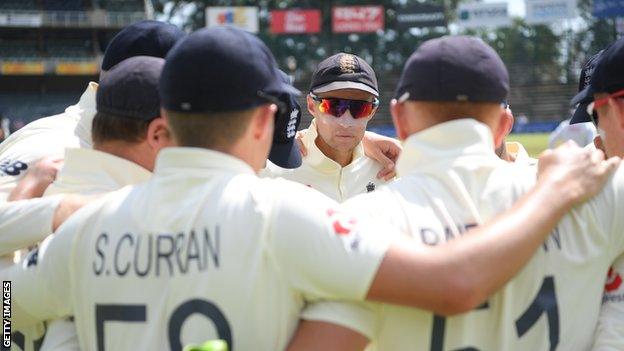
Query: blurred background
pixel 51 49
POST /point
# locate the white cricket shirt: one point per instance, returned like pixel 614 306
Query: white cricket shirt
pixel 203 250
pixel 329 177
pixel 46 137
pixel 450 181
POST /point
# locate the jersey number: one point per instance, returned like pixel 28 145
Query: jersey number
pixel 544 303
pixel 138 313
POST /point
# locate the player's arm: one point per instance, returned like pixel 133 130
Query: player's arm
pixel 338 257
pixel 26 222
pixel 41 282
pixel 37 179
pixel 460 275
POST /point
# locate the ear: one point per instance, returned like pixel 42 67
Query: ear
pixel 618 104
pixel 262 122
pixel 504 127
pixel 398 118
pixel 158 135
pixel 311 105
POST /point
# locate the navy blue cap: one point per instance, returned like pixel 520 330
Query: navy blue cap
pixel 344 71
pixel 220 69
pixel 608 76
pixel 284 150
pixel 454 68
pixel 584 97
pixel 130 89
pixel 145 38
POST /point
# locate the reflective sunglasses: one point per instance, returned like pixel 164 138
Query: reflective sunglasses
pixel 592 107
pixel 337 107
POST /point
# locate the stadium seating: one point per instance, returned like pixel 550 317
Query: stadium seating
pixel 19 49
pixel 63 5
pixel 30 106
pixel 18 5
pixel 70 48
pixel 122 5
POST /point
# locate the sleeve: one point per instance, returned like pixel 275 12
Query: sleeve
pixel 610 329
pixel 25 223
pixel 41 282
pixel 361 317
pixel 323 251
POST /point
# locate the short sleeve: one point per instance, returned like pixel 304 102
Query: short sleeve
pixel 361 317
pixel 610 329
pixel 323 251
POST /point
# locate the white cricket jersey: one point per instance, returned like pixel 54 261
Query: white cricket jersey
pixel 203 250
pixel 85 172
pixel 329 177
pixel 451 181
pixel 46 137
pixel 581 133
pixel 88 172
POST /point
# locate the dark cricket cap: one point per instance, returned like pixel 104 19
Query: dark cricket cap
pixel 454 68
pixel 220 69
pixel 584 97
pixel 145 38
pixel 344 71
pixel 608 75
pixel 130 89
pixel 284 150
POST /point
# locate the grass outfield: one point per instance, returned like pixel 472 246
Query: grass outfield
pixel 534 143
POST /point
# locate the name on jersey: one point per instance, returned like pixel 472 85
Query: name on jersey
pixel 432 237
pixel 163 254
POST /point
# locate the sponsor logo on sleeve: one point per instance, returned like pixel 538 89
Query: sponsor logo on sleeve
pixel 614 281
pixel 345 227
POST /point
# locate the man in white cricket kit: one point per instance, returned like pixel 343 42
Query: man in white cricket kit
pixel 206 249
pixel 449 112
pixel 343 98
pixel 602 98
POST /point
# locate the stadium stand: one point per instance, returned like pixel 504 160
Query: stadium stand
pixel 51 49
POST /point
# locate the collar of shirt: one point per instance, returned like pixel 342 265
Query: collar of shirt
pixel 317 159
pixel 84 111
pixel 172 159
pixel 442 144
pixel 92 171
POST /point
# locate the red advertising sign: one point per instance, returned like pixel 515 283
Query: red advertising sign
pixel 357 19
pixel 295 21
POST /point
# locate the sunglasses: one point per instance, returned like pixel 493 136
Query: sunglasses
pixel 596 104
pixel 337 107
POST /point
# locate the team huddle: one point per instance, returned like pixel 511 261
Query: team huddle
pixel 177 203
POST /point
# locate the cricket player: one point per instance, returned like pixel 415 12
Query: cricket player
pixel 207 250
pixel 603 97
pixel 343 97
pixel 448 111
pixel 127 133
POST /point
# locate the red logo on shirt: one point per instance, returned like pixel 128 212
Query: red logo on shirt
pixel 343 225
pixel 614 280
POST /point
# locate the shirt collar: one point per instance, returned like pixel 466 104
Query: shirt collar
pixel 317 159
pixel 170 160
pixel 97 167
pixel 84 111
pixel 444 143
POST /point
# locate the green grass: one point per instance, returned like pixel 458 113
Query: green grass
pixel 534 143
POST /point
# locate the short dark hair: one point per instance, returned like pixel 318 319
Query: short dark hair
pixel 108 127
pixel 210 130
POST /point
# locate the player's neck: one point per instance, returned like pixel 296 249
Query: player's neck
pixel 343 158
